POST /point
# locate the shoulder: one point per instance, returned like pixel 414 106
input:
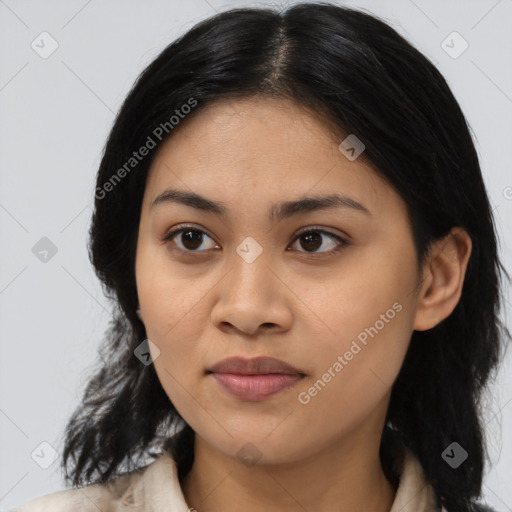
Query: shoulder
pixel 105 497
pixel 57 502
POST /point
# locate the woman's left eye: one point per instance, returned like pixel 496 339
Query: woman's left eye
pixel 312 240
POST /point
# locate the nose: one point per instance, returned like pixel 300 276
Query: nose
pixel 252 297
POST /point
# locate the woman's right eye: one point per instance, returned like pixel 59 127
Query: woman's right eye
pixel 188 239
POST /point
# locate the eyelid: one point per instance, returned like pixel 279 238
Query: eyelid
pixel 321 229
pixel 181 227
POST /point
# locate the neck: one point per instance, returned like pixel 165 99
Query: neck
pixel 347 476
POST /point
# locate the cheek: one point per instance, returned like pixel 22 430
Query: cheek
pixel 353 379
pixel 169 305
pixel 367 329
pixel 173 311
pixel 364 355
pixel 168 294
pixel 180 364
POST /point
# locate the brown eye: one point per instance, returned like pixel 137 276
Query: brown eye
pixel 313 239
pixel 187 239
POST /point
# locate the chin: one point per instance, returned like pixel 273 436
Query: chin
pixel 253 450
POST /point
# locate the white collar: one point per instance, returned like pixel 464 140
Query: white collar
pixel 158 488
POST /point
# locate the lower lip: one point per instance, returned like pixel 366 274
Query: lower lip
pixel 256 387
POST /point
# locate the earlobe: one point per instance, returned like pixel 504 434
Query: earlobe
pixel 443 280
pixel 139 314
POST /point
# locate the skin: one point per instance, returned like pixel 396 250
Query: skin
pixel 290 303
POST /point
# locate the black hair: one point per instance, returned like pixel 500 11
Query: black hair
pixel 363 78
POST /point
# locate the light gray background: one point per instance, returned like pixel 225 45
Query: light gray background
pixel 55 116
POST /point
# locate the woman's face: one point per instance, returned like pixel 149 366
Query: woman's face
pixel 337 304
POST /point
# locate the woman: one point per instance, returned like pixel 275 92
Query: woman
pixel 291 218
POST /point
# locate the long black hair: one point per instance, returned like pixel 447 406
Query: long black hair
pixel 362 77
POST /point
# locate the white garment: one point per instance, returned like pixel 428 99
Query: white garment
pixel 156 488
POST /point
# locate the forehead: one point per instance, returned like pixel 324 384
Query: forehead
pixel 255 127
pixel 237 150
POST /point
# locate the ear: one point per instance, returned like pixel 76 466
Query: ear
pixel 443 277
pixel 139 314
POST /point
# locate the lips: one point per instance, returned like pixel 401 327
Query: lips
pixel 255 366
pixel 255 379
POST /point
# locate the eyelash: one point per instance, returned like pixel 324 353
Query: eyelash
pixel 314 229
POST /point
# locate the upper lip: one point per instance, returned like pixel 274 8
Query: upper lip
pixel 254 366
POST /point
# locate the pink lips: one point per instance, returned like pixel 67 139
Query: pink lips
pixel 255 379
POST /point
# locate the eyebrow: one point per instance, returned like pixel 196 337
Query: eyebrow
pixel 277 211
